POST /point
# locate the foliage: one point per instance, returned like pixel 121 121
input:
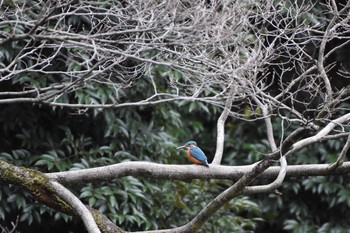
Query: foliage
pixel 57 140
pixel 53 139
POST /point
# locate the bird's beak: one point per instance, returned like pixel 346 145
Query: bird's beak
pixel 181 147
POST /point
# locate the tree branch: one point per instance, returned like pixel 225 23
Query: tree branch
pixel 270 136
pixel 283 170
pixel 54 195
pixel 76 204
pixel 341 156
pixel 186 172
pixel 220 137
pixel 240 186
pixel 320 135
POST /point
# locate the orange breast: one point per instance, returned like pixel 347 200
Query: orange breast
pixel 193 159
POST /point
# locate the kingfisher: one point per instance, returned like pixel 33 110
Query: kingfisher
pixel 194 153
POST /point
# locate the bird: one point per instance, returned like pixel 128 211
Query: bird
pixel 194 153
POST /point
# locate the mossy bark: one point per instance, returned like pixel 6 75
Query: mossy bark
pixel 38 184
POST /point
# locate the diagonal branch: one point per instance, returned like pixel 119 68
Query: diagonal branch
pixel 341 156
pixel 54 195
pixel 226 196
pixel 270 136
pixel 273 185
pixel 76 204
pixel 322 133
pixel 240 186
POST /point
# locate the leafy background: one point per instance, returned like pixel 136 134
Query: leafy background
pixel 60 139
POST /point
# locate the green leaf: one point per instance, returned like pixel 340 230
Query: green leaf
pixel 192 107
pixel 92 201
pixel 290 224
pixel 113 201
pixel 86 193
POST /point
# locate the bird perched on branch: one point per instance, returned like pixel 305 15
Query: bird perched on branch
pixel 194 153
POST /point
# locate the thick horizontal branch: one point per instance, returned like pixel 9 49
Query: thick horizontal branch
pixel 188 172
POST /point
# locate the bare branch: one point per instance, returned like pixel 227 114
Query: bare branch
pixel 253 61
pixel 79 207
pixel 273 185
pixel 220 137
pixel 270 137
pixel 341 156
pixel 14 227
pixel 319 136
pixel 185 172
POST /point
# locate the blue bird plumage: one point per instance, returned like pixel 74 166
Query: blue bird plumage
pixel 197 153
pixel 194 153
